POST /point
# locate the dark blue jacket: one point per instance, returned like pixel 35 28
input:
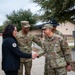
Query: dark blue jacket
pixel 11 55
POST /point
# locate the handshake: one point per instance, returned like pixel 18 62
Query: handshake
pixel 34 55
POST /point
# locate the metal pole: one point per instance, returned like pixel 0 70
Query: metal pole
pixel 74 38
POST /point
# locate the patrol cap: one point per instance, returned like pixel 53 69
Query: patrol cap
pixel 25 24
pixel 54 23
pixel 47 26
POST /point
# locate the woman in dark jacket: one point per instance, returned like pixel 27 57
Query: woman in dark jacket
pixel 10 51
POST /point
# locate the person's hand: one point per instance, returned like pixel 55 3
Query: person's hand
pixel 69 67
pixel 34 55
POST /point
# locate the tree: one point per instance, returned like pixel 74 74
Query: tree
pixel 16 17
pixel 61 10
pixel 1 28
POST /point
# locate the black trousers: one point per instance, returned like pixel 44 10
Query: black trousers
pixel 11 72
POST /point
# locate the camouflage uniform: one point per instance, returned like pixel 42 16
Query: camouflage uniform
pixel 25 42
pixel 72 63
pixel 57 55
pixel 59 33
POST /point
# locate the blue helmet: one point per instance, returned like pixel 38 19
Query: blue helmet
pixel 54 23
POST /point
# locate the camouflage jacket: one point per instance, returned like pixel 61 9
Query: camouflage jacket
pixel 57 51
pixel 59 33
pixel 25 42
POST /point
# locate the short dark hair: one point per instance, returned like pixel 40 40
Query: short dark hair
pixel 8 31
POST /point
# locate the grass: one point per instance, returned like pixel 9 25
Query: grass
pixel 71 47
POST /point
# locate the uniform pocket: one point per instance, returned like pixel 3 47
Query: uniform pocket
pixel 60 62
pixel 56 48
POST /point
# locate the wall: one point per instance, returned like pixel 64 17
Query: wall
pixel 66 29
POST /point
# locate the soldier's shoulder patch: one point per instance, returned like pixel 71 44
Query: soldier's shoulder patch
pixel 14 44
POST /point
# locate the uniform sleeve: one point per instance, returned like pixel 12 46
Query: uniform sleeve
pixel 43 51
pixel 12 45
pixel 39 42
pixel 66 51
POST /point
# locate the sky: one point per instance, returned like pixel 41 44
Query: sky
pixel 7 6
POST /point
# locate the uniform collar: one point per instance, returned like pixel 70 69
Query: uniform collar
pixel 50 38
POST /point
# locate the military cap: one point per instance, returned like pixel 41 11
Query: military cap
pixel 47 26
pixel 25 23
pixel 54 23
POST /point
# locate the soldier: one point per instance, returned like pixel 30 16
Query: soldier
pixel 25 40
pixel 58 56
pixel 55 24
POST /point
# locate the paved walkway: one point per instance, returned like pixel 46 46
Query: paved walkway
pixel 38 65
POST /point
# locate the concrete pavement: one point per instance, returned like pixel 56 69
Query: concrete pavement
pixel 37 67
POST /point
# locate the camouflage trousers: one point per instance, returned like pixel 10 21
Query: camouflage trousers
pixel 55 71
pixel 27 66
